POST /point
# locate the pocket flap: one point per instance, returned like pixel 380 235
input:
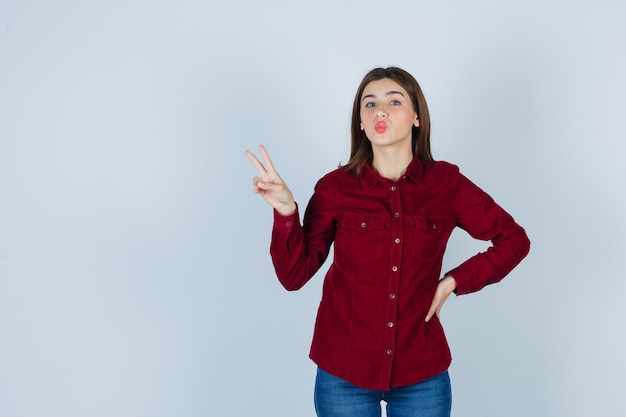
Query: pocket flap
pixel 431 223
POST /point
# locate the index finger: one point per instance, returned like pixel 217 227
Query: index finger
pixel 259 166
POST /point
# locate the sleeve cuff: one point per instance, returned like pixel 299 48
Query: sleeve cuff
pixel 286 223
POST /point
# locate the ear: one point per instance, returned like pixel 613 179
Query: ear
pixel 416 123
pixel 362 128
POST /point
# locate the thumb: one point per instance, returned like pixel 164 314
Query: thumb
pixel 432 310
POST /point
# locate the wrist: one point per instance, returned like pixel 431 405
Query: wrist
pixel 288 210
pixel 449 282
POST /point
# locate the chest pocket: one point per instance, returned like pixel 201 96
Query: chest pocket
pixel 430 236
pixel 360 236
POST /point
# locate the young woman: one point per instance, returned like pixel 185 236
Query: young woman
pixel 389 211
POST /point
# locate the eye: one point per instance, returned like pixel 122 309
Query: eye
pixel 395 103
pixel 369 104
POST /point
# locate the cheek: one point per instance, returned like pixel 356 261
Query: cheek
pixel 409 118
pixel 367 116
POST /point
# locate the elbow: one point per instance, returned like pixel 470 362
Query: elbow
pixel 516 245
pixel 521 246
pixel 292 276
pixel 525 243
pixel 292 289
pixel 292 281
pixel 291 286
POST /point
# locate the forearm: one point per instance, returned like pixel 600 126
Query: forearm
pixel 492 265
pixel 296 258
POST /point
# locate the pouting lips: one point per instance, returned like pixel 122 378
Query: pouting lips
pixel 380 127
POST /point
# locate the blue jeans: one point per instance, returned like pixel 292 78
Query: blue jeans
pixel 335 397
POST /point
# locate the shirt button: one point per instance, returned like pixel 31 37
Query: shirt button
pixel 393 188
pixel 434 227
pixel 363 225
pixel 392 296
pixel 390 324
pixel 389 351
pixel 396 215
pixel 394 269
pixel 397 240
pixel 288 224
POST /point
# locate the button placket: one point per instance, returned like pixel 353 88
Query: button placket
pixel 393 280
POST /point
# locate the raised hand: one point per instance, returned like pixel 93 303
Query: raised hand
pixel 270 185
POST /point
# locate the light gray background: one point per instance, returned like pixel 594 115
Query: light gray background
pixel 135 278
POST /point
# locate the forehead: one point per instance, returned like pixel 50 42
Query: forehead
pixel 382 87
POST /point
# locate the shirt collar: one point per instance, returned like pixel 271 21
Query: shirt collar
pixel 414 172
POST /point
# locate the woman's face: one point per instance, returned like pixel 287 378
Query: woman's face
pixel 387 114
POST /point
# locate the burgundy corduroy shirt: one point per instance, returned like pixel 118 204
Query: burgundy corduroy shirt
pixel 389 240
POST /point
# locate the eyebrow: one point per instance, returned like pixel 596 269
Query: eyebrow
pixel 388 93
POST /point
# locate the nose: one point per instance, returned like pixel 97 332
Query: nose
pixel 381 112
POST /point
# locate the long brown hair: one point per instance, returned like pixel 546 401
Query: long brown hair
pixel 361 148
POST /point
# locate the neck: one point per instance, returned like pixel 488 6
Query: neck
pixel 391 164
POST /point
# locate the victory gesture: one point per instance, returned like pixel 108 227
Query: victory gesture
pixel 270 185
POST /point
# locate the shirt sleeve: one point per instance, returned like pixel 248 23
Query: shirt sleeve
pixel 483 219
pixel 299 250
